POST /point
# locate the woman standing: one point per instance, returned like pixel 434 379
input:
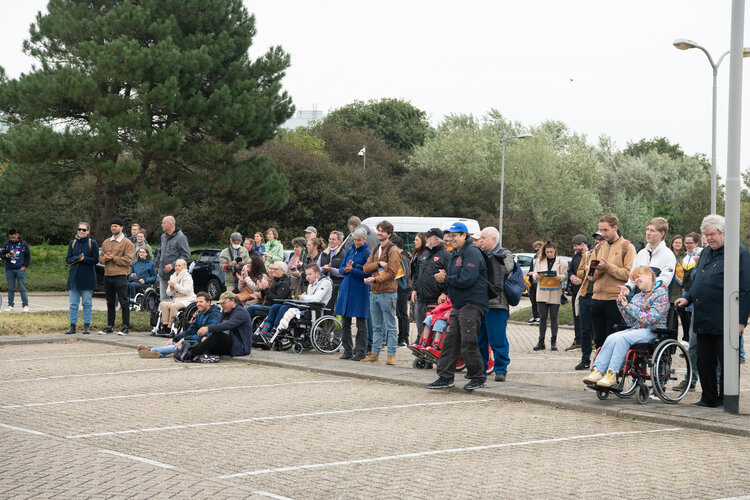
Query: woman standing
pixel 675 286
pixel 83 254
pixel 258 245
pixel 140 242
pixel 549 272
pixel 354 297
pixel 274 249
pixel 420 246
pixel 295 265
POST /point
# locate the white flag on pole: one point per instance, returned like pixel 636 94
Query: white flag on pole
pixel 362 151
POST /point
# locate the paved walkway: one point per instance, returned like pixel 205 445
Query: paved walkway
pixel 541 377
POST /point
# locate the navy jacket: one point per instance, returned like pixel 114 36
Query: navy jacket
pixel 212 316
pixel 467 277
pixel 707 292
pixel 82 275
pixel 22 254
pixel 237 324
pixel 430 262
pixel 144 270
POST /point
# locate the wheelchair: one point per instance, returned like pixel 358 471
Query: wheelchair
pixel 663 362
pixel 180 322
pixel 146 300
pixel 316 328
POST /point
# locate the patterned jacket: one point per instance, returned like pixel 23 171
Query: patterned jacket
pixel 647 312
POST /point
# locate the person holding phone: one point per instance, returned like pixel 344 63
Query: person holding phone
pixel 83 254
pixel 549 273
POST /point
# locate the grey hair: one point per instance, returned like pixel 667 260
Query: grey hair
pixel 491 233
pixel 184 262
pixel 235 237
pixel 88 226
pixel 713 222
pixel 359 233
pixel 284 267
pixel 339 234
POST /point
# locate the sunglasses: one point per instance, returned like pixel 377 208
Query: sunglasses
pixel 82 229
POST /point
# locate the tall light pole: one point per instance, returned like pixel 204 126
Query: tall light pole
pixel 502 184
pixel 685 44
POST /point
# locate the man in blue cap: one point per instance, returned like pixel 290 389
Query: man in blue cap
pixel 467 288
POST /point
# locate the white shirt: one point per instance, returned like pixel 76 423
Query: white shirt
pixel 661 257
pixel 118 240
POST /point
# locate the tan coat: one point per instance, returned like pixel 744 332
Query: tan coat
pixel 619 256
pixel 122 256
pixel 385 281
pixel 549 296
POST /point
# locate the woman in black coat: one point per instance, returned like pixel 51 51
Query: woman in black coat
pixel 83 254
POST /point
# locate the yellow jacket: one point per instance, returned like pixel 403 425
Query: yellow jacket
pixel 619 257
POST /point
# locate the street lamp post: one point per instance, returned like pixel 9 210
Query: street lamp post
pixel 685 44
pixel 502 184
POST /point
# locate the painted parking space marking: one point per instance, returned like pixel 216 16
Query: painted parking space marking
pixel 21 429
pixel 71 356
pixel 442 452
pixel 139 459
pixel 174 393
pixel 100 374
pixel 279 417
pixel 270 495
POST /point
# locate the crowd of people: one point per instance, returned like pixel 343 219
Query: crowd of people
pixel 619 291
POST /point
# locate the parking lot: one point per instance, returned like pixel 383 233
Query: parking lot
pixel 82 420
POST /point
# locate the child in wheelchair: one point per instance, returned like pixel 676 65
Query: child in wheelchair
pixel 430 341
pixel 645 311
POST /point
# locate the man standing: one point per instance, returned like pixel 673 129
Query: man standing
pixel 231 260
pixel 383 264
pixel 134 233
pixel 116 256
pixel 585 290
pixel 354 223
pixel 580 245
pixel 537 246
pixel 467 288
pixel 707 297
pixel 493 332
pixel 426 288
pixel 174 245
pixel 17 256
pixel 655 254
pixel 310 233
pixel 613 261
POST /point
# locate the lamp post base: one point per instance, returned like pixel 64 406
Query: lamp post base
pixel 732 404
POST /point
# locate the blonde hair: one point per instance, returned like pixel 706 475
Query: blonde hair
pixel 644 270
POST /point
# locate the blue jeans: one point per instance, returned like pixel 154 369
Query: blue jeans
pixel 16 276
pixel 257 310
pixel 612 354
pixel 383 312
pixel 134 287
pixel 493 334
pixel 164 350
pixel 82 296
pixel 275 314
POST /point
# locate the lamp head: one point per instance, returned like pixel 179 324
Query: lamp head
pixel 684 44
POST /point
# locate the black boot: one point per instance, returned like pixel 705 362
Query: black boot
pixel 540 345
pixel 86 329
pixel 553 344
pixel 71 330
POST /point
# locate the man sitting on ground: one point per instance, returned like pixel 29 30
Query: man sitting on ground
pixel 207 315
pixel 232 336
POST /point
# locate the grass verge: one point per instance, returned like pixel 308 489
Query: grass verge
pixel 36 323
pixel 564 317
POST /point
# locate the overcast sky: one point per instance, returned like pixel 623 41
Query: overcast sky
pixel 600 67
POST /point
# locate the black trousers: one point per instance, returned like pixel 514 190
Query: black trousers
pixel 604 316
pixel 461 339
pixel 117 287
pixel 360 343
pixel 217 343
pixel 711 355
pixel 402 315
pixel 552 309
pixel 576 320
pixel 685 321
pixel 532 297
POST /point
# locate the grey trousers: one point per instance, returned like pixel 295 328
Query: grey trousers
pixel 360 343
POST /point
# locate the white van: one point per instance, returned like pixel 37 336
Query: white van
pixel 408 227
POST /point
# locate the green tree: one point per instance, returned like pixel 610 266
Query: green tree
pixel 659 144
pixel 400 124
pixel 143 94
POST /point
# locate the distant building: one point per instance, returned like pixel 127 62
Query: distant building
pixel 302 118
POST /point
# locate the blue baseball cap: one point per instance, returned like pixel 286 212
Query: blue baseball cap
pixel 458 227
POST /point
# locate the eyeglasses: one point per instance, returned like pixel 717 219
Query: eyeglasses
pixel 84 229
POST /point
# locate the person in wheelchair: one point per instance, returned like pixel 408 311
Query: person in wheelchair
pixel 142 274
pixel 180 288
pixel 207 315
pixel 319 290
pixel 646 310
pixel 279 287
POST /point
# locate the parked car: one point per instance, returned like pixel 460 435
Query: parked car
pixel 207 275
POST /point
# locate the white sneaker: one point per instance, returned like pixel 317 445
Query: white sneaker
pixel 9 309
pixel 25 309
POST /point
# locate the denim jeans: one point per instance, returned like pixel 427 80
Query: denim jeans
pixel 383 312
pixel 16 276
pixel 82 296
pixel 164 350
pixel 612 354
pixel 493 334
pixel 257 310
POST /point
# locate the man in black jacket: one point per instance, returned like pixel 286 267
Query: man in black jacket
pixel 580 246
pixel 231 336
pixel 707 296
pixel 467 288
pixel 427 290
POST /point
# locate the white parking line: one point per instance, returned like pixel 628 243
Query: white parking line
pixel 174 393
pixel 546 373
pixel 139 459
pixel 270 495
pixel 100 374
pixel 277 417
pixel 129 353
pixel 440 452
pixel 21 429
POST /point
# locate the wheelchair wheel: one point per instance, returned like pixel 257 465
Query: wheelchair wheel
pixel 188 316
pixel 643 392
pixel 325 334
pixel 151 300
pixel 628 385
pixel 670 366
pixel 419 364
pixel 297 348
pixel 602 394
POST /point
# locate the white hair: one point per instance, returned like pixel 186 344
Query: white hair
pixel 283 265
pixel 184 263
pixel 490 233
pixel 713 221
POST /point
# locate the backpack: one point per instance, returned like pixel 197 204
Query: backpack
pixel 512 286
pixel 184 353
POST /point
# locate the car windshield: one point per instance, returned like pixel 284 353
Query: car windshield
pixel 206 257
pixel 523 260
